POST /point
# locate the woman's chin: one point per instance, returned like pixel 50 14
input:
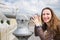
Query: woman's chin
pixel 46 21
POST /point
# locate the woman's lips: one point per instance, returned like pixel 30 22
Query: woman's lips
pixel 45 19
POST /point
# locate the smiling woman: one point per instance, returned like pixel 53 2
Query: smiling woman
pixel 51 24
pixel 46 15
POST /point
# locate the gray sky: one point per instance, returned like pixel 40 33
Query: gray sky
pixel 33 6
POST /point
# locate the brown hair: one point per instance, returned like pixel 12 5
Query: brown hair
pixel 54 20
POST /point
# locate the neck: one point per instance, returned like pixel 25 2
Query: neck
pixel 48 24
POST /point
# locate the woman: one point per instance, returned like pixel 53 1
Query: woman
pixel 50 24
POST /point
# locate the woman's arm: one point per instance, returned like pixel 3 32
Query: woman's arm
pixel 40 32
pixel 49 35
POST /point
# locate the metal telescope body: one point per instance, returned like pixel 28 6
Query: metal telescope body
pixel 22 19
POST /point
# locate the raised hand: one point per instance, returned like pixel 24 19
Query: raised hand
pixel 36 19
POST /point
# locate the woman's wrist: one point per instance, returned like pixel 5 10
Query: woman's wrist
pixel 38 26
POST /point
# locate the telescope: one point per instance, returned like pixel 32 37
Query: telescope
pixel 22 32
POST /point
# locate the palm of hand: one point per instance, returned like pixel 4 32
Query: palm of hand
pixel 37 20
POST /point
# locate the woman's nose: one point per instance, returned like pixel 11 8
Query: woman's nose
pixel 45 15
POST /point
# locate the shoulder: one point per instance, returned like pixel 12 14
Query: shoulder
pixel 58 27
pixel 58 24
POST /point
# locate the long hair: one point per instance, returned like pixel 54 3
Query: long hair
pixel 54 20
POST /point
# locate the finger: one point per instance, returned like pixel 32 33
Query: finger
pixel 39 17
pixel 35 17
pixel 32 18
pixel 33 21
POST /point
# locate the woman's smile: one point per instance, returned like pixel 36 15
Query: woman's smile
pixel 46 19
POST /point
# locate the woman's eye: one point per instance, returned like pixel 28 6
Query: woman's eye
pixel 47 13
pixel 43 14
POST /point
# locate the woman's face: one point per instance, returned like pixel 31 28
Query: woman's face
pixel 46 15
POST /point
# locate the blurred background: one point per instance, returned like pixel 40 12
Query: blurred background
pixel 32 6
pixel 28 6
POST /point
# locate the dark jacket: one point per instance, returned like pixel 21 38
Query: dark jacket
pixel 39 31
pixel 44 27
